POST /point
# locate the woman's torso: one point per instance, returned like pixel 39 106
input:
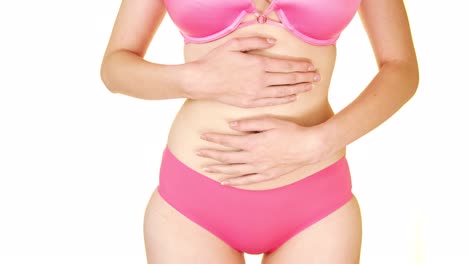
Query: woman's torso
pixel 310 108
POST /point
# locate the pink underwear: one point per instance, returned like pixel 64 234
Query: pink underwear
pixel 253 221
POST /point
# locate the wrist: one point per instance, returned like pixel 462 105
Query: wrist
pixel 329 135
pixel 188 79
pixel 321 141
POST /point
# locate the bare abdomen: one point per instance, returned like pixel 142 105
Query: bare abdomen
pixel 310 108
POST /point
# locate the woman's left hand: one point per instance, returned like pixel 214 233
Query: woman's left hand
pixel 273 148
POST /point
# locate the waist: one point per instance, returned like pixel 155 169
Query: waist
pixel 198 116
pixel 310 108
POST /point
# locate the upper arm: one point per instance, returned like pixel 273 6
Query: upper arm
pixel 387 26
pixel 135 26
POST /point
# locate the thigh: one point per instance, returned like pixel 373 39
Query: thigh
pixel 171 238
pixel 336 239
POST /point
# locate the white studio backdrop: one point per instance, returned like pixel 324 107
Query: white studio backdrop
pixel 78 163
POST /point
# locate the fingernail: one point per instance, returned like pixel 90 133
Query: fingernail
pixel 311 67
pixel 271 40
pixel 202 136
pixel 207 169
pixel 198 152
pixel 233 123
pixel 224 183
pixel 317 78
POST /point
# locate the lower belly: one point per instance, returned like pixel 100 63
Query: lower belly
pixel 197 117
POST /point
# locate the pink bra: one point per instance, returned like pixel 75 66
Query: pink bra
pixel 318 22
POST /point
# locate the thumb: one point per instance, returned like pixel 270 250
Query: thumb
pixel 249 43
pixel 255 124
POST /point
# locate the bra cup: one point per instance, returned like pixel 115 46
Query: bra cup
pixel 319 19
pixel 202 18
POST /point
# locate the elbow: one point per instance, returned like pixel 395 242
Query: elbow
pixel 413 77
pixel 105 75
pixel 408 72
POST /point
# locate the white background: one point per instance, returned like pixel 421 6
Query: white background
pixel 78 163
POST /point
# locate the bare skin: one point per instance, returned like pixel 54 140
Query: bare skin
pixel 172 238
pixel 309 109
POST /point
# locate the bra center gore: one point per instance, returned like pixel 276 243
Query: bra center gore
pixel 266 10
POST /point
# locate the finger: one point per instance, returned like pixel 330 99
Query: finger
pixel 232 169
pixel 234 141
pixel 287 65
pixel 248 43
pixel 224 156
pixel 284 90
pixel 273 101
pixel 247 179
pixel 255 124
pixel 282 78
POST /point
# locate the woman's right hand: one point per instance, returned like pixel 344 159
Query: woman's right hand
pixel 229 75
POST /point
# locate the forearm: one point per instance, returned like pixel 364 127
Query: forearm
pixel 127 73
pixel 389 90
